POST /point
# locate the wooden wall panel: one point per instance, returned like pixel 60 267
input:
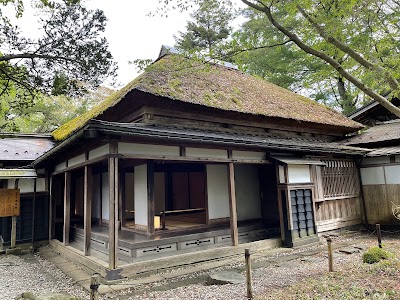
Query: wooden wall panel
pixel 378 202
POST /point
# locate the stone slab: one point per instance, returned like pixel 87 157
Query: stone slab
pixel 312 259
pixel 55 296
pixel 225 277
pixel 78 275
pixel 349 250
pixel 361 247
pixel 13 251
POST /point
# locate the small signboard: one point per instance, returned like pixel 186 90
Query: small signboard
pixel 9 202
pixel 17 173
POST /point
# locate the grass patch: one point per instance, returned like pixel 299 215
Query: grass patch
pixel 374 255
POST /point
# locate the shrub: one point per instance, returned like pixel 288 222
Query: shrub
pixel 374 255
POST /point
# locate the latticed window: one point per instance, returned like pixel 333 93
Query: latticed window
pixel 340 179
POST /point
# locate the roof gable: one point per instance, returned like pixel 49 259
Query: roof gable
pixel 193 81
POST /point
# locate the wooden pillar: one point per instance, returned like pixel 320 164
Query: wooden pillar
pixel 150 197
pixel 67 207
pixel 232 205
pixel 87 208
pixel 51 210
pixel 14 223
pixel 34 210
pixel 113 212
pixel 122 200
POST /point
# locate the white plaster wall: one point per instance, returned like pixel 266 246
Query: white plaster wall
pixel 25 185
pixel 372 175
pixel 281 170
pixel 392 174
pixel 247 187
pixel 140 192
pixel 299 173
pixel 76 160
pixel 96 196
pixel 159 150
pixel 100 151
pixel 204 153
pixel 105 209
pixel 248 155
pixel 217 191
pixel 159 192
pixel 60 166
pixel 375 160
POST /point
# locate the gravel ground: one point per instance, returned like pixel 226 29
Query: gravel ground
pixel 34 274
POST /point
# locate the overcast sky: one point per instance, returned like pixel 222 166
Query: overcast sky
pixel 130 31
pixel 133 34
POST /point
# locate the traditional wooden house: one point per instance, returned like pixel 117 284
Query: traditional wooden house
pixel 192 156
pixel 17 152
pixel 380 168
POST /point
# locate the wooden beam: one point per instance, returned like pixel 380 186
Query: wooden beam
pixel 67 207
pixel 191 159
pixel 112 224
pixel 150 197
pixel 232 205
pixel 87 208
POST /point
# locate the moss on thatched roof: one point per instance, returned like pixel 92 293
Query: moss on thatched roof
pixel 181 79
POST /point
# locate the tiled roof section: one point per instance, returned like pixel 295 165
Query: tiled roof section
pixel 24 148
pixel 384 132
pixel 193 81
pixel 205 136
pixel 386 151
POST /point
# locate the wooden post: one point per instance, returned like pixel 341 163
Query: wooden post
pixel 67 207
pixel 150 197
pixel 13 231
pixel 248 274
pixel 232 205
pixel 94 287
pixel 34 210
pixel 379 235
pixel 122 200
pixel 51 210
pixel 330 255
pixel 163 227
pixel 14 223
pixel 112 224
pixel 116 209
pixel 87 208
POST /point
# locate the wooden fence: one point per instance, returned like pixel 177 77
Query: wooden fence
pixel 336 194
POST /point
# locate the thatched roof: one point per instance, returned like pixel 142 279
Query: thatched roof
pixel 193 81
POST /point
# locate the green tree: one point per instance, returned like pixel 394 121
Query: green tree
pixel 208 29
pixel 46 113
pixel 70 51
pixel 284 64
pixel 359 39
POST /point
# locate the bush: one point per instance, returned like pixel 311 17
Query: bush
pixel 374 255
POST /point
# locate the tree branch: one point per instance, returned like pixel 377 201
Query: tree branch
pixel 393 83
pixel 233 53
pixel 336 65
pixel 31 56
